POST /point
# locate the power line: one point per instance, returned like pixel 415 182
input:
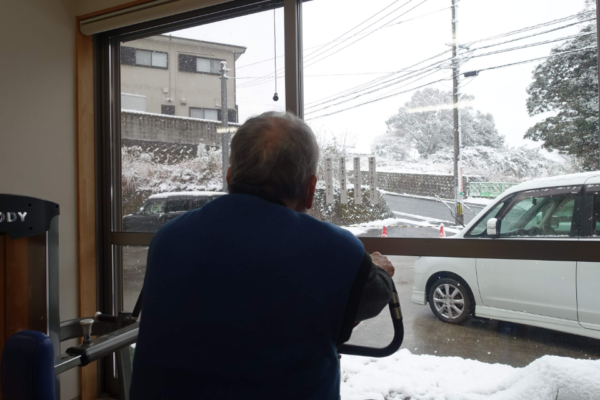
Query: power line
pixel 314 56
pixel 391 82
pixel 353 28
pixel 379 99
pixel 320 75
pixel 368 33
pixel 525 46
pixel 323 44
pixel 445 79
pixel 539 58
pixel 381 81
pixel 426 73
pixel 532 27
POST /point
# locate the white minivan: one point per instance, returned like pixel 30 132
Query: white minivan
pixel 559 295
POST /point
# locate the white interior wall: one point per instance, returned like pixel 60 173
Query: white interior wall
pixel 37 122
pixel 37 125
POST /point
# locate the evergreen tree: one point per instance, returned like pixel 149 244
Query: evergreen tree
pixel 567 86
pixel 426 122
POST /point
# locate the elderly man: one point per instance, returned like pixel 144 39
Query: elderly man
pixel 249 297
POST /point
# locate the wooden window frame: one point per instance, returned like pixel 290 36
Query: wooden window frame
pixel 93 216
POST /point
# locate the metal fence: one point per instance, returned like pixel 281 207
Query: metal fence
pixel 488 189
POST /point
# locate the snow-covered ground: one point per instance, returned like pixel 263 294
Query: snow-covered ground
pixel 360 229
pixel 404 376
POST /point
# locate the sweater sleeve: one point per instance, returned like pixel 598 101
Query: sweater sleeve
pixel 371 292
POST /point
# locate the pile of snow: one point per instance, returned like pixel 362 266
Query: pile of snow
pixel 424 377
pixel 362 228
pixel 491 164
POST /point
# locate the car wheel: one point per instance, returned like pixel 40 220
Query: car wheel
pixel 450 300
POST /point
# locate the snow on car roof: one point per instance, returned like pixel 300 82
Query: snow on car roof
pixel 191 193
pixel 554 181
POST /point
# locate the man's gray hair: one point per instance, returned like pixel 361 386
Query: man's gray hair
pixel 276 153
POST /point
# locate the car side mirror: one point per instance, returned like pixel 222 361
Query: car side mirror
pixel 493 226
pixel 554 222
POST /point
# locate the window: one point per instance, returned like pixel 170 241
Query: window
pixel 205 113
pixel 177 205
pixel 539 215
pixel 154 207
pixel 212 114
pixel 144 58
pixel 167 109
pixel 189 63
pixel 481 227
pixel 201 201
pixel 596 216
pixel 407 96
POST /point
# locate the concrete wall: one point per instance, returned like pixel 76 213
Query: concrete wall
pixel 166 128
pixel 198 90
pixel 37 126
pixel 416 184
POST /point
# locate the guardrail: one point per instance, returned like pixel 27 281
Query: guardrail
pixel 488 189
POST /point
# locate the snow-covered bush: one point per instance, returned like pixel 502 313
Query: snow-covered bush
pixel 144 176
pixel 347 214
pixel 490 164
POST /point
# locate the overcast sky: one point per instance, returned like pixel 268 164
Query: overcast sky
pixel 500 92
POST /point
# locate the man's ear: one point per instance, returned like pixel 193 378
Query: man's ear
pixel 312 184
pixel 228 176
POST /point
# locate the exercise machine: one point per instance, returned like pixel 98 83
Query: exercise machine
pixel 31 359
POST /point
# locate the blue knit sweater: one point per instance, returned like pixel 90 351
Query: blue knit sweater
pixel 244 299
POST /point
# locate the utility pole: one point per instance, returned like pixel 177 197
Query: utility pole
pixel 458 187
pixel 224 123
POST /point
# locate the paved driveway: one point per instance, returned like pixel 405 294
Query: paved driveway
pixel 484 340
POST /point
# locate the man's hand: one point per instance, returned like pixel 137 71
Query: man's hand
pixel 383 262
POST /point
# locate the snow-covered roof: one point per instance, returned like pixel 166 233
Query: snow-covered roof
pixel 187 194
pixel 554 181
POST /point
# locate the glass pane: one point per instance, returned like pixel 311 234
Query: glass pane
pixel 517 122
pixel 167 155
pixel 212 115
pixel 481 226
pixel 159 59
pixel 596 217
pixel 134 270
pixel 202 64
pixel 397 82
pixel 215 66
pixel 539 216
pixel 196 113
pixel 143 57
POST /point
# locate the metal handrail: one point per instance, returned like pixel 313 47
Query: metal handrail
pixel 393 346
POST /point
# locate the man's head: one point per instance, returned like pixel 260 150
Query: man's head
pixel 276 153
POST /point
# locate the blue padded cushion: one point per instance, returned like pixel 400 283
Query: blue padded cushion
pixel 28 367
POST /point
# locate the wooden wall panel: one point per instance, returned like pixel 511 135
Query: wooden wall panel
pixel 16 286
pixel 86 196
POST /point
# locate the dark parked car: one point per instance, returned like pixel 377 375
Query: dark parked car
pixel 161 208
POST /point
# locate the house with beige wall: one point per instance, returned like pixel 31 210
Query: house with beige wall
pixel 177 76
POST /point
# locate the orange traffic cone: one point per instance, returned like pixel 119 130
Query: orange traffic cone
pixel 442 233
pixel 384 232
